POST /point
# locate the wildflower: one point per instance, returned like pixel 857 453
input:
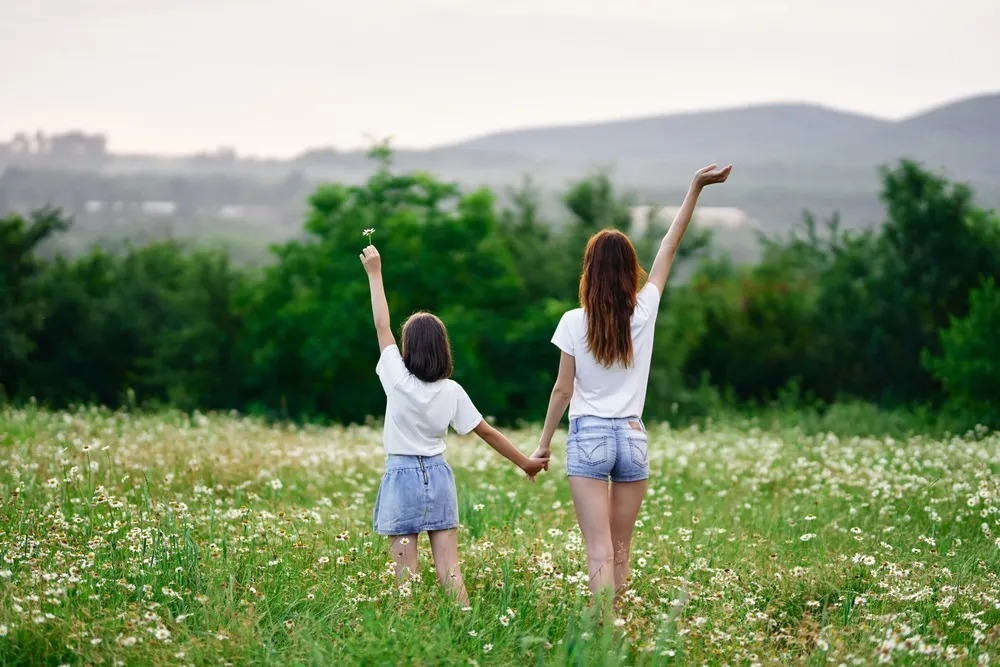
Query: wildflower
pixel 368 233
pixel 6 574
pixel 810 517
pixel 3 630
pixel 487 648
pixel 504 621
pixel 808 536
pixel 323 560
pixel 478 506
pixel 275 484
pixel 162 634
pixel 619 622
pixel 96 641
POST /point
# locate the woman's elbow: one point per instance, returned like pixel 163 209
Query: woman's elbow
pixel 562 391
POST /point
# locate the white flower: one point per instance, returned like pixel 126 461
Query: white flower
pixel 3 630
pixel 619 622
pixel 487 648
pixel 810 517
pixel 162 634
pixel 807 537
pixel 6 574
pixel 368 232
pixel 275 483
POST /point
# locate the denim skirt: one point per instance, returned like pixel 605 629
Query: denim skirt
pixel 417 494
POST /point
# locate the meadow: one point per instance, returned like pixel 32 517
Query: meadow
pixel 168 538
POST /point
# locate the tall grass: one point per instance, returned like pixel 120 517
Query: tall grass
pixel 174 539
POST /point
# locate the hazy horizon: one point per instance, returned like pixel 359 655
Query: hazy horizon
pixel 274 78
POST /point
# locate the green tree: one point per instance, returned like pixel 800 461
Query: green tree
pixel 22 312
pixel 969 364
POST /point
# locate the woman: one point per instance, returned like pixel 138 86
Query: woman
pixel 603 370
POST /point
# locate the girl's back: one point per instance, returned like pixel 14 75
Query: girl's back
pixel 418 413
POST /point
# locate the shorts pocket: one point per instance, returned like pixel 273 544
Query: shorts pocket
pixel 639 448
pixel 591 449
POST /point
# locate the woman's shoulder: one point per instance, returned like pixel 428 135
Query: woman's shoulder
pixel 574 315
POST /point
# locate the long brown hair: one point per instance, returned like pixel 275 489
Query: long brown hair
pixel 426 348
pixel 609 286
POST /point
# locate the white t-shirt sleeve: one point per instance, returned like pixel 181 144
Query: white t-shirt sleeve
pixel 467 417
pixel 649 300
pixel 563 337
pixel 390 368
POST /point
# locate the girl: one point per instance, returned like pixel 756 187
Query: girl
pixel 603 370
pixel 417 493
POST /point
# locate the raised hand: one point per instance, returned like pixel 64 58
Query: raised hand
pixel 371 260
pixel 711 174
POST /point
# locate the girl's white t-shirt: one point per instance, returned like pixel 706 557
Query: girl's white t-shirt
pixel 417 413
pixel 615 392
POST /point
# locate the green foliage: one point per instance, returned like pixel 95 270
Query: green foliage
pixel 849 314
pixel 825 315
pixel 969 364
pixel 22 314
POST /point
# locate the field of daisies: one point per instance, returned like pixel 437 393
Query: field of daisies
pixel 200 540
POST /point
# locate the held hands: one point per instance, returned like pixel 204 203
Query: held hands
pixel 538 462
pixel 535 465
pixel 371 260
pixel 710 175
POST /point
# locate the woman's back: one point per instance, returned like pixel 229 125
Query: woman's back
pixel 615 391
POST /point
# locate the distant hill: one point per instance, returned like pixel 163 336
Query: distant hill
pixel 789 158
pixel 963 136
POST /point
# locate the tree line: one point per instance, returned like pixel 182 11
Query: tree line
pixel 900 315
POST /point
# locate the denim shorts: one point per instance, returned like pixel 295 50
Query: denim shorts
pixel 603 448
pixel 417 494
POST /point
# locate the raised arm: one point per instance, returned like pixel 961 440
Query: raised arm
pixel 672 240
pixel 562 393
pixel 372 262
pixel 507 449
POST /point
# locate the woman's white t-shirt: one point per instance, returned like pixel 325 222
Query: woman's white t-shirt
pixel 615 392
pixel 417 413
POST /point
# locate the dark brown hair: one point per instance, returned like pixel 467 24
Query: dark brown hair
pixel 426 348
pixel 609 286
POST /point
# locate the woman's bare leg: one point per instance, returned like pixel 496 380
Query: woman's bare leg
pixel 626 499
pixel 590 501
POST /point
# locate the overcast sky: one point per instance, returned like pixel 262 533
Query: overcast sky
pixel 272 77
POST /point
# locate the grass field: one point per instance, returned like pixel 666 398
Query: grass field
pixel 168 539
